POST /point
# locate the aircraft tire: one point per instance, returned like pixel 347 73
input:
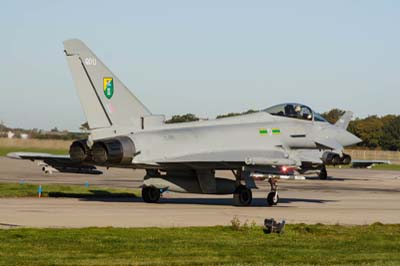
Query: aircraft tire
pixel 346 159
pixel 271 199
pixel 242 196
pixel 323 174
pixel 336 159
pixel 151 194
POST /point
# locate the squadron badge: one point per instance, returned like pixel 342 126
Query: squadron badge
pixel 108 87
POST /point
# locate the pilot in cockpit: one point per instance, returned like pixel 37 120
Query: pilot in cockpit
pixel 297 110
pixel 293 110
pixel 289 111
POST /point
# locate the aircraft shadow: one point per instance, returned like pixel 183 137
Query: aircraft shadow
pixel 330 178
pixel 94 194
pixel 292 200
pixel 257 202
pixel 9 225
pixel 106 196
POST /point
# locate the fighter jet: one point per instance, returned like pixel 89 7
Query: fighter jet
pixel 184 157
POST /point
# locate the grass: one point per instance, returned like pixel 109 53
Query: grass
pixel 50 190
pixel 395 167
pixel 5 150
pixel 34 145
pixel 301 245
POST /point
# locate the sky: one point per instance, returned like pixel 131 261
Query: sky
pixel 202 57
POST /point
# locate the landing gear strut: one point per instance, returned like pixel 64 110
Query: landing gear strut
pixel 242 196
pixel 151 194
pixel 323 174
pixel 273 197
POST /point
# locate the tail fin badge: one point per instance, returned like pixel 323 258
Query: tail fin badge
pixel 108 87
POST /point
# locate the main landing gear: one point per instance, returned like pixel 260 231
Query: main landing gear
pixel 151 194
pixel 242 196
pixel 323 174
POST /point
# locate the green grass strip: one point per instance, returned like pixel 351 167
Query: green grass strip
pixel 395 167
pixel 300 245
pixel 8 190
pixel 5 150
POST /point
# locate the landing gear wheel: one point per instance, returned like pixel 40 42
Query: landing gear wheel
pixel 346 159
pixel 151 194
pixel 336 160
pixel 323 174
pixel 273 198
pixel 242 196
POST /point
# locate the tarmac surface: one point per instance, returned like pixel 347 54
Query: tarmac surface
pixel 349 196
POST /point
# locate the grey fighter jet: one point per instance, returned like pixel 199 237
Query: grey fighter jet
pixel 184 157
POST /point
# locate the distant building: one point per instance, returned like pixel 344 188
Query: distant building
pixel 24 136
pixel 10 134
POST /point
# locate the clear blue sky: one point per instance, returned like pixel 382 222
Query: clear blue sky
pixel 203 57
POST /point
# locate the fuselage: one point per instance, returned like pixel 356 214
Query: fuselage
pixel 256 132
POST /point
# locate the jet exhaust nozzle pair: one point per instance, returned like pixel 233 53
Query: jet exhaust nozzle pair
pixel 331 158
pixel 119 150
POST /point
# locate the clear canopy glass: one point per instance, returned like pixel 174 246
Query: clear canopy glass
pixel 295 110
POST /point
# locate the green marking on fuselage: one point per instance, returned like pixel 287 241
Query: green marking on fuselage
pixel 276 131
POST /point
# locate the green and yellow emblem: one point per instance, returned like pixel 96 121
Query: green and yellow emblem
pixel 263 131
pixel 108 87
pixel 276 131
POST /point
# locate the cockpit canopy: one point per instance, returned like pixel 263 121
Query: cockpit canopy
pixel 295 110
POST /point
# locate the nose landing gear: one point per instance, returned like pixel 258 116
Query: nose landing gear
pixel 273 197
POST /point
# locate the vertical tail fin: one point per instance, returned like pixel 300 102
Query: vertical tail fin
pixel 104 98
pixel 344 121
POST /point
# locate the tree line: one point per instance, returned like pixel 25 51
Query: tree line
pixel 377 132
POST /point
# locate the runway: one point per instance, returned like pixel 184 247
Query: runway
pixel 350 196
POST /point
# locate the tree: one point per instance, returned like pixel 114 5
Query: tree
pixel 3 127
pixel 55 129
pixel 390 139
pixel 333 115
pixel 182 119
pixel 387 119
pixel 84 127
pixel 368 129
pixel 250 111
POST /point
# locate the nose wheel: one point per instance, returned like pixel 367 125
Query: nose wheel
pixel 273 197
